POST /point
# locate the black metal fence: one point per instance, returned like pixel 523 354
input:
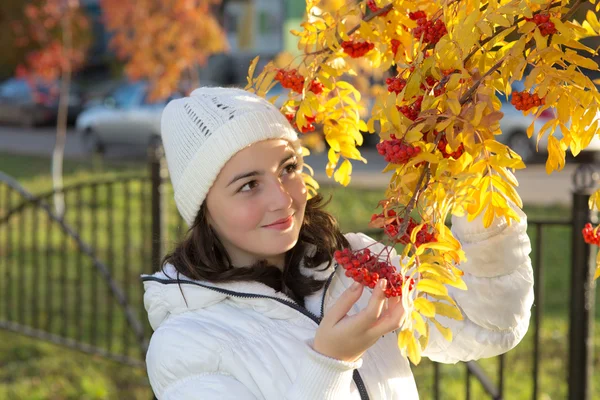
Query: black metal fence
pixel 73 279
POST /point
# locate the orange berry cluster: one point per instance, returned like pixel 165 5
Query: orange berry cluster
pixel 542 20
pixel 373 7
pixel 291 79
pixel 391 229
pixel 523 101
pixel 365 268
pixel 412 112
pixel 432 31
pixel 590 236
pixel 443 148
pixel 356 49
pixel 396 151
pixel 304 129
pixel 395 84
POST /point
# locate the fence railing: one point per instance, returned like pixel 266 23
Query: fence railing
pixel 73 279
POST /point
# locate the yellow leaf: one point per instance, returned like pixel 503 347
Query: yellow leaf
pixel 592 19
pixel 419 323
pixel 342 175
pixel 485 28
pixel 499 20
pixel 556 155
pixel 251 69
pixel 581 61
pixel 431 286
pixel 488 217
pixel 413 350
pixel 541 42
pixel 446 332
pixel 448 311
pixel 454 106
pixel 403 338
pixel 564 111
pixel 425 307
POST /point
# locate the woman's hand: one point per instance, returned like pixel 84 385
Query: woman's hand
pixel 346 337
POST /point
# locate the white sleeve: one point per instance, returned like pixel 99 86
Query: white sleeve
pixel 497 303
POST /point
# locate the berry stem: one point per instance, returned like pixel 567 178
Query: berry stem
pixel 413 199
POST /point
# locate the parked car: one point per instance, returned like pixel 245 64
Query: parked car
pixel 32 105
pixel 125 116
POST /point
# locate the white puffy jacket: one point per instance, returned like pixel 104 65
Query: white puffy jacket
pixel 244 340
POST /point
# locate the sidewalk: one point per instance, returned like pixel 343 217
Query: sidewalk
pixel 535 186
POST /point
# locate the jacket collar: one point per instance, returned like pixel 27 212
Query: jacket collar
pixel 167 293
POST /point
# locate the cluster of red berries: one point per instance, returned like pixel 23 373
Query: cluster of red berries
pixel 391 229
pixel 356 49
pixel 412 111
pixel 291 79
pixel 395 151
pixel 431 82
pixel 306 128
pixel 523 101
pixel 395 84
pixel 432 31
pixel 365 268
pixel 590 236
pixel 373 7
pixel 543 23
pixel 443 148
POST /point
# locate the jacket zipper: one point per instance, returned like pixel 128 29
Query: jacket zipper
pixel 362 390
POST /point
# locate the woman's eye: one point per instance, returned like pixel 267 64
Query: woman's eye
pixel 250 185
pixel 291 168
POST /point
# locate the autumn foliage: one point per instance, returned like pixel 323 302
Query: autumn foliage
pixel 41 32
pixel 164 41
pixel 437 112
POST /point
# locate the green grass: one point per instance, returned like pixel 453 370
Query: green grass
pixel 38 370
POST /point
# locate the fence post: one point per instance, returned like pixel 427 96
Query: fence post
pixel 157 169
pixel 581 319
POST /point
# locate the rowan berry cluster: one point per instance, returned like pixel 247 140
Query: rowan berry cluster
pixel 432 31
pixel 366 268
pixel 391 229
pixel 373 7
pixel 443 148
pixel 412 111
pixel 542 20
pixel 395 84
pixel 291 79
pixel 356 49
pixel 523 101
pixel 590 236
pixel 395 151
pixel 304 129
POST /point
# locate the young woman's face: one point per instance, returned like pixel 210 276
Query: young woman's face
pixel 258 187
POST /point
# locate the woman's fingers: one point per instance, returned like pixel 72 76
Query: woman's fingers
pixel 376 303
pixel 393 316
pixel 343 304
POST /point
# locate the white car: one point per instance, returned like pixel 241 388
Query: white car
pixel 126 116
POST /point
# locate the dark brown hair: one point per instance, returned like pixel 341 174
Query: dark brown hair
pixel 201 255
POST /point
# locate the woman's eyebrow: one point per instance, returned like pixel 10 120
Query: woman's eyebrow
pixel 254 173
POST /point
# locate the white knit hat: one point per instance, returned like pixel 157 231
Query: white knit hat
pixel 200 133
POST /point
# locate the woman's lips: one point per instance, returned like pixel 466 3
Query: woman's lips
pixel 282 224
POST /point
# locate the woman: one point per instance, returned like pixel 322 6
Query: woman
pixel 250 304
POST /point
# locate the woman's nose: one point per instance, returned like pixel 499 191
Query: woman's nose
pixel 279 196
